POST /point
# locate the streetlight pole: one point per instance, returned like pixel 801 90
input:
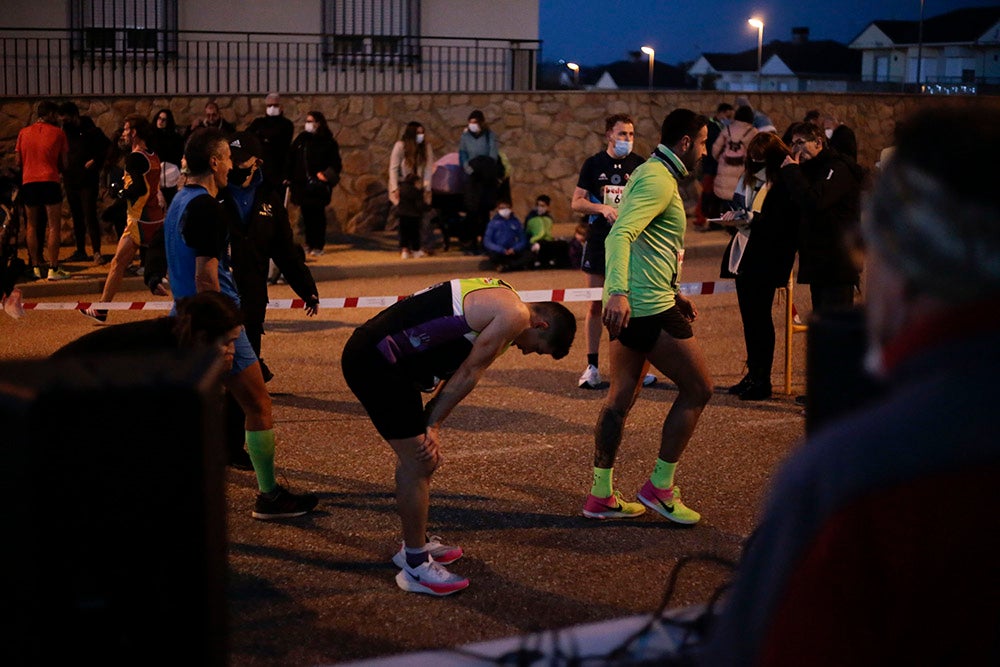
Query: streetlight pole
pixel 648 50
pixel 757 23
pixel 576 73
pixel 920 45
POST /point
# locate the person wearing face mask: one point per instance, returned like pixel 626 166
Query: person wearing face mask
pixel 877 507
pixel 478 155
pixel 505 242
pixel 275 133
pixel 598 194
pixel 548 251
pixel 259 232
pixel 411 165
pixel 312 171
pixel 760 256
pixel 827 188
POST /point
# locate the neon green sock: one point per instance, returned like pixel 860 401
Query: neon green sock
pixel 602 483
pixel 260 446
pixel 663 474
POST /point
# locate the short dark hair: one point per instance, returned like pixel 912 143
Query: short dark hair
pixel 681 123
pixel 614 119
pixel 807 131
pixel 544 198
pixel 200 147
pixel 562 326
pixel 744 114
pixel 811 115
pixel 204 318
pixel 47 108
pixel 723 107
pixel 143 128
pixel 69 109
pixel 477 115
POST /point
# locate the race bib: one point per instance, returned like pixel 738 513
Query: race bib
pixel 613 195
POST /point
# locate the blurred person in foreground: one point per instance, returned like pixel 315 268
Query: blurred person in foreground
pixel 873 549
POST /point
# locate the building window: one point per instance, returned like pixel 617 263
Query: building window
pixel 123 28
pixel 371 31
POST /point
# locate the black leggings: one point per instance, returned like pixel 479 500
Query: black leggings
pixel 314 225
pixel 409 232
pixel 756 300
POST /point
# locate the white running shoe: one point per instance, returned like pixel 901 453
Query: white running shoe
pixel 430 578
pixel 13 304
pixel 417 254
pixel 405 253
pixel 441 553
pixel 591 378
pixel 648 379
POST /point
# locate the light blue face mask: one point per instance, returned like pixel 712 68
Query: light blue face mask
pixel 622 148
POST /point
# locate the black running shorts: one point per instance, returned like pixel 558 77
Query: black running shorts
pixel 642 332
pixel 393 401
pixel 42 193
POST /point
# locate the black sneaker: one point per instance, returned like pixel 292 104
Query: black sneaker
pixel 240 460
pixel 740 386
pixel 265 371
pixel 757 391
pixel 282 504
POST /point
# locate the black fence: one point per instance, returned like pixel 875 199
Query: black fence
pixel 58 63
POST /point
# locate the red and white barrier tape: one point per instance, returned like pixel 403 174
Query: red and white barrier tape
pixel 564 295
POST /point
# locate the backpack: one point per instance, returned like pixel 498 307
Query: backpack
pixel 735 151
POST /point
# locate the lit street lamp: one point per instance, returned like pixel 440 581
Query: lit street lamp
pixel 757 23
pixel 576 73
pixel 648 50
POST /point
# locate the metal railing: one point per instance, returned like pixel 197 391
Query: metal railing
pixel 38 62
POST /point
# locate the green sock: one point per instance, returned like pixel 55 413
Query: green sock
pixel 602 483
pixel 260 446
pixel 663 474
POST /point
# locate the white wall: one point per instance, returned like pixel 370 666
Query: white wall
pixel 34 14
pixel 510 19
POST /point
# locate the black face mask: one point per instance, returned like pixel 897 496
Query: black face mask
pixel 239 175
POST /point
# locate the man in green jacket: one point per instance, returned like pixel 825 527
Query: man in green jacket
pixel 649 319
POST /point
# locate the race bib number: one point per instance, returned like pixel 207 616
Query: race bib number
pixel 613 195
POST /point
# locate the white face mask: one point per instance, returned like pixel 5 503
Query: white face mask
pixel 828 132
pixel 420 138
pixel 311 128
pixel 474 127
pixel 273 110
pixel 503 212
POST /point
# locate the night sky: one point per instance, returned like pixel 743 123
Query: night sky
pixel 593 32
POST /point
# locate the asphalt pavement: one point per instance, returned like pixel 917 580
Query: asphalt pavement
pixel 517 466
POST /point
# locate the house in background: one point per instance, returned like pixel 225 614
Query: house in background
pixel 799 65
pixel 958 51
pixel 631 74
pixel 60 47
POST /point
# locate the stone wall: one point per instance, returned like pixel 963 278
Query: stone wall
pixel 546 135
